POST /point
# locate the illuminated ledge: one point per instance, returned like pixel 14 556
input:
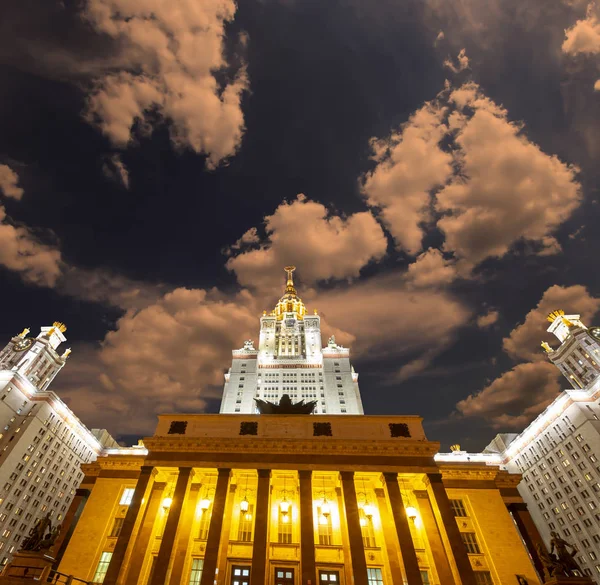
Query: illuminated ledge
pixel 464 457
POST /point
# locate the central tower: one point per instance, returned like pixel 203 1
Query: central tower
pixel 290 360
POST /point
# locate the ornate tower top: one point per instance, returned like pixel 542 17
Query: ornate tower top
pixel 560 324
pixel 289 286
pixel 290 302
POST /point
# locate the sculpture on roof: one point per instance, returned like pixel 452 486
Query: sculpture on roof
pixel 285 406
pixel 42 536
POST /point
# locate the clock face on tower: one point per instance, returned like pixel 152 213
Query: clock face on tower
pixel 595 332
pixel 23 344
pixel 290 322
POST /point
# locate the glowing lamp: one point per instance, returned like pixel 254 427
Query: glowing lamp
pixel 368 510
pixel 284 507
pixel 411 512
pixel 166 503
pixel 243 505
pixel 325 509
pixel 204 504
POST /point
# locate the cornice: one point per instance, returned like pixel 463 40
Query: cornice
pixel 119 462
pixel 398 448
pixel 468 473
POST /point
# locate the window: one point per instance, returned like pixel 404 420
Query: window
pixel 245 529
pixel 458 508
pixel 374 576
pixel 325 528
pixel 284 529
pixel 471 543
pixel 116 527
pixel 102 567
pixel 483 578
pixel 425 578
pixel 196 572
pixel 240 575
pixel 368 533
pixel 126 497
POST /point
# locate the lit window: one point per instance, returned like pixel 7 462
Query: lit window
pixel 483 578
pixel 127 496
pixel 458 508
pixel 374 576
pixel 102 567
pixel 196 572
pixel 470 542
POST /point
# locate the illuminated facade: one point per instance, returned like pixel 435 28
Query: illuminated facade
pixel 290 360
pixel 559 452
pixel 295 500
pixel 42 443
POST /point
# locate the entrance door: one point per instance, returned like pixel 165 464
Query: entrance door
pixel 284 576
pixel 329 577
pixel 240 575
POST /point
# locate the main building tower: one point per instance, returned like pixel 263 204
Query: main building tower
pixel 290 360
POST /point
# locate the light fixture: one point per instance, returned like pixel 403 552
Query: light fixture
pixel 284 506
pixel 166 503
pixel 325 508
pixel 204 504
pixel 411 512
pixel 244 505
pixel 368 510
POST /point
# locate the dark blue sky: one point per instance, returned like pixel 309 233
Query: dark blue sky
pixel 147 144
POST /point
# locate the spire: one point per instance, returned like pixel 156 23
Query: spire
pixel 289 286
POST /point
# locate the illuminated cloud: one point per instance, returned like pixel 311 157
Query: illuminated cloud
pixel 430 270
pixel 114 169
pixel 172 52
pixel 321 244
pixel 462 62
pixel 584 36
pixel 9 183
pixel 22 251
pixel 487 320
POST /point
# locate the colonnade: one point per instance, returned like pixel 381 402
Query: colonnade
pixel 442 533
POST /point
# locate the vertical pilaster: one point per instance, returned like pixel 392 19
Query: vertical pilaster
pixel 140 548
pixel 307 530
pixel 459 550
pixel 163 560
pixel 116 562
pixel 434 537
pixel 357 551
pixel 529 533
pixel 389 535
pixel 181 547
pixel 407 547
pixel 261 529
pixel 214 530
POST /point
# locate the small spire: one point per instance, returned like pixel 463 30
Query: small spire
pixel 67 353
pixel 289 286
pixel 454 448
pixel 60 326
pixel 554 315
pixel 24 333
pixel 546 346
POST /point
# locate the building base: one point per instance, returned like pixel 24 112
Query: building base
pixel 27 566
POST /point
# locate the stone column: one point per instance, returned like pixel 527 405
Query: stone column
pixel 118 556
pixel 213 541
pixel 529 533
pixel 307 530
pixel 140 548
pixel 357 551
pixel 261 529
pixel 70 522
pixel 163 560
pixel 407 546
pixel 389 535
pixel 226 530
pixel 434 538
pixel 457 546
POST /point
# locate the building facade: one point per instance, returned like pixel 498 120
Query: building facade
pixel 42 443
pixel 295 500
pixel 290 360
pixel 559 452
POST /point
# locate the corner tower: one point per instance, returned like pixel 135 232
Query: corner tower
pixel 291 359
pixel 578 356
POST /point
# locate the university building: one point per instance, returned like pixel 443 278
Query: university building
pixel 243 498
pixel 42 443
pixel 558 453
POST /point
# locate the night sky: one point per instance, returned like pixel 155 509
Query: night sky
pixel 430 167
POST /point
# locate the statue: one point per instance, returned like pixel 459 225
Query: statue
pixel 564 556
pixel 331 340
pixel 48 541
pixel 285 406
pixel 551 564
pixel 37 535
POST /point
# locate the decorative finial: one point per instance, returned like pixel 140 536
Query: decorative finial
pixel 67 353
pixel 554 315
pixel 316 312
pixel 60 326
pixel 24 333
pixel 264 313
pixel 289 285
pixel 546 346
pixel 455 447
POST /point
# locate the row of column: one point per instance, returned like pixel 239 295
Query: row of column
pixel 395 524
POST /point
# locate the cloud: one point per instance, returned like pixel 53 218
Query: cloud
pixel 488 319
pixel 410 163
pixel 597 85
pixel 489 186
pixel 505 188
pixel 174 53
pixel 430 270
pixel 584 36
pixel 321 244
pixel 440 37
pixel 9 183
pixel 23 252
pixel 114 169
pixel 524 340
pixel 515 398
pixel 462 62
